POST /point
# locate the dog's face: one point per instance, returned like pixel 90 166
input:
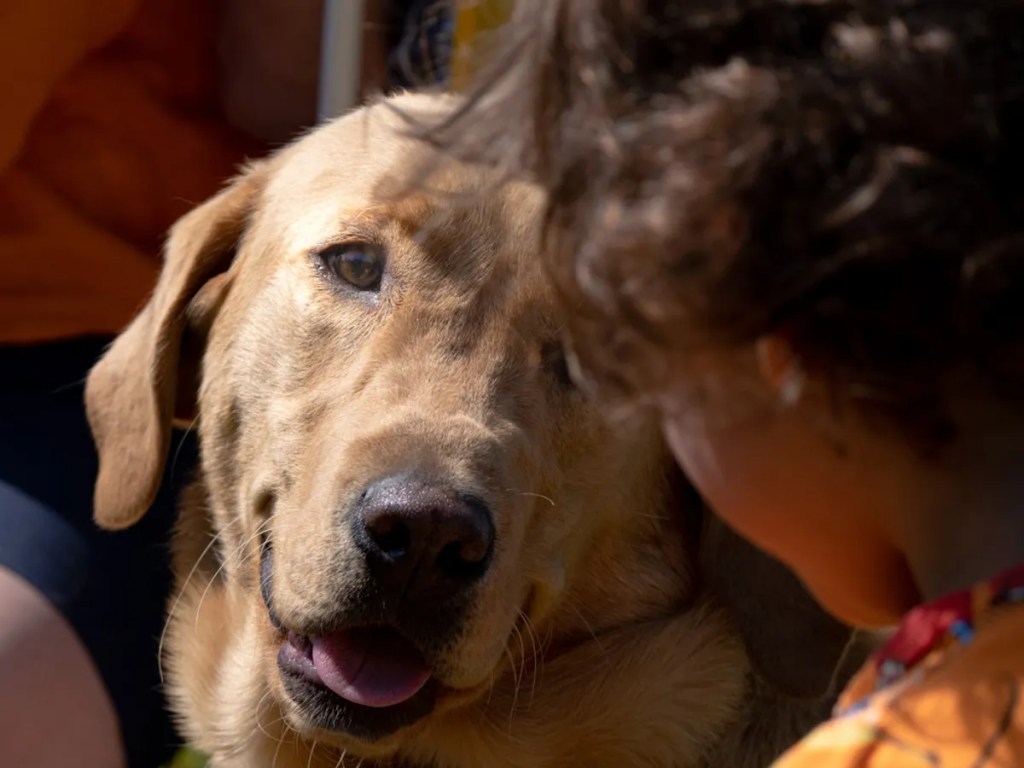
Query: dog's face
pixel 387 418
pixel 400 471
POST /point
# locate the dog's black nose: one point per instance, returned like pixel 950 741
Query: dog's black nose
pixel 422 539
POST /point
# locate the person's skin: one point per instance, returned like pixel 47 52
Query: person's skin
pixel 55 709
pixel 871 525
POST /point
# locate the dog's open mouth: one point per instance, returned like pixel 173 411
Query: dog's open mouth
pixel 365 681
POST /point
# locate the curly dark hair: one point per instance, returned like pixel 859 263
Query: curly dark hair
pixel 847 173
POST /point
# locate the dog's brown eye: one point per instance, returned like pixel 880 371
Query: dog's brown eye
pixel 359 265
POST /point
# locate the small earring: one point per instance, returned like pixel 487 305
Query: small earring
pixel 791 387
pixel 780 368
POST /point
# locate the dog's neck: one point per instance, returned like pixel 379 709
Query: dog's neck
pixel 644 574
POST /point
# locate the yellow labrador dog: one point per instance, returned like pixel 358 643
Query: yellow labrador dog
pixel 411 542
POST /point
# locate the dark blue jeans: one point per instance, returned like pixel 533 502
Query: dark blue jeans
pixel 112 587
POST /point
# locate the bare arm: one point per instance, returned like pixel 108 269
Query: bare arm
pixel 48 680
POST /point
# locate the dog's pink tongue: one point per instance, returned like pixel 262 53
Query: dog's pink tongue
pixel 375 668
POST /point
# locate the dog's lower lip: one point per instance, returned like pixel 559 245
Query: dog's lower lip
pixel 296 657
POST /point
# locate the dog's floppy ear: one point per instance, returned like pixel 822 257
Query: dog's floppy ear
pixel 132 394
pixel 792 642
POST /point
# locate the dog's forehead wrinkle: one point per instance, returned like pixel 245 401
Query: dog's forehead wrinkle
pixel 367 156
pixel 469 242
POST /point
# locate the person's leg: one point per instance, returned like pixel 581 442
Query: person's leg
pixel 54 707
pixel 111 589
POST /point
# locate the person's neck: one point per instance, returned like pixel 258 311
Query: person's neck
pixel 972 526
pixel 982 546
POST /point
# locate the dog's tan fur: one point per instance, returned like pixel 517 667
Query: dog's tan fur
pixel 610 629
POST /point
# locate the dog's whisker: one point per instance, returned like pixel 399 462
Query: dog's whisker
pixel 288 732
pixel 511 663
pixel 522 647
pixel 239 745
pixel 490 691
pixel 273 739
pixel 516 491
pixel 522 661
pixel 262 727
pixel 583 620
pixel 259 713
pixel 515 692
pixel 326 759
pixel 285 733
pixel 329 761
pixel 517 674
pixel 260 529
pixel 181 444
pixel 177 600
pixel 588 627
pixel 537 658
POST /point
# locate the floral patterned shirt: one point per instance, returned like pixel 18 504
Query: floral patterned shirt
pixel 944 691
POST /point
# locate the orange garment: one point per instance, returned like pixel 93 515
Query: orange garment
pixel 952 698
pixel 109 131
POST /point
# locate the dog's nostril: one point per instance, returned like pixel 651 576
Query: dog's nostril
pixel 460 560
pixel 469 535
pixel 390 533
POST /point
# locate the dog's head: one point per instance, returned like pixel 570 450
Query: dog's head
pixel 397 466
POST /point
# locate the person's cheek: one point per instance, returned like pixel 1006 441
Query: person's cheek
pixel 700 458
pixel 730 478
